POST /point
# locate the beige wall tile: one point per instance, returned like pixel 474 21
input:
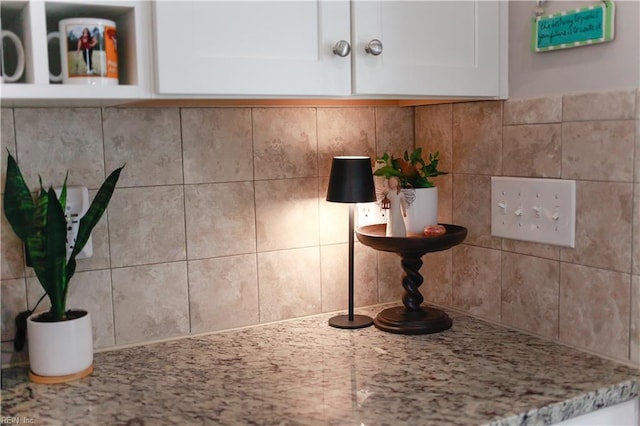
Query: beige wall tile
pixel 598 150
pixel 547 109
pixel 37 299
pixel 635 320
pixel 472 208
pixel 530 288
pixel 594 309
pixel 444 183
pixel 532 249
pixel 286 214
pixel 436 271
pixel 334 261
pixel 635 249
pixel 366 275
pixel 150 302
pixel 390 274
pixel 89 291
pixel 148 141
pixel 345 131
pixel 433 128
pixel 285 143
pixel 334 217
pixel 7 141
pixel 434 132
pixel 532 150
pixel 217 145
pixel 609 105
pixel 289 283
pixel 53 141
pixel 476 281
pixel 477 138
pixel 603 226
pixel 220 219
pixel 146 225
pixel 14 300
pixel 12 255
pixel 394 130
pixel 223 293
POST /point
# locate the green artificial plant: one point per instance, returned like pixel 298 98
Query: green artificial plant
pixel 42 226
pixel 411 169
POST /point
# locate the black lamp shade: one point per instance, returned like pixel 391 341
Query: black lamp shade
pixel 351 180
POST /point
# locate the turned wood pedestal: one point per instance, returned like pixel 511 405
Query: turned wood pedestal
pixel 412 318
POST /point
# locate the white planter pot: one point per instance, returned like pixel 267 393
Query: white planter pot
pixel 423 209
pixel 61 348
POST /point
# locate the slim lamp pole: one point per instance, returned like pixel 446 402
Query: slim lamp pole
pixel 351 262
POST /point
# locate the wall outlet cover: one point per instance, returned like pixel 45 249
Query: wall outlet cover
pixel 370 214
pixel 77 206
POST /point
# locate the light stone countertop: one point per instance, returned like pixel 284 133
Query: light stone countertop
pixel 303 372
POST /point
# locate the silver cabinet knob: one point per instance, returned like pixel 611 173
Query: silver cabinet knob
pixel 342 48
pixel 374 47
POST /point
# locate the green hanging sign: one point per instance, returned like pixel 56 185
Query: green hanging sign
pixel 579 27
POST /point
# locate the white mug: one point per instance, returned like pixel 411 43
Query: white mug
pixel 88 51
pixel 19 57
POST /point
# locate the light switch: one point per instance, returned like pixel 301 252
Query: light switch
pixel 533 209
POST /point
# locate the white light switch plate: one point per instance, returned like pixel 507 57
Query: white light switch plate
pixel 532 209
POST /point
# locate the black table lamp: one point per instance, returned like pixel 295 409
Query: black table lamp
pixel 351 181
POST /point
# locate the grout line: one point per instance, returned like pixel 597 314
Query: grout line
pixel 107 218
pixel 559 296
pixel 184 209
pixel 255 211
pixel 635 212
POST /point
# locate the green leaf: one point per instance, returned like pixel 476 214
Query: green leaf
pixel 18 203
pixel 48 251
pixel 387 172
pixel 35 240
pixel 56 249
pixel 63 194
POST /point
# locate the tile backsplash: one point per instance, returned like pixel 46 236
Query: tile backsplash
pixel 585 296
pixel 218 221
pixel 219 218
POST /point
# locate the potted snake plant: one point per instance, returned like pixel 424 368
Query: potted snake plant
pixel 60 340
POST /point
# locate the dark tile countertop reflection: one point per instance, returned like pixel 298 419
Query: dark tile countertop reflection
pixel 303 372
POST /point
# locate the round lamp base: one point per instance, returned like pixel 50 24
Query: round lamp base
pixel 359 321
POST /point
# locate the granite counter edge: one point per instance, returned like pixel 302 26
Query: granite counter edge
pixel 586 403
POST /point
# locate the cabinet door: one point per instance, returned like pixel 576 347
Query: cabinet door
pixel 251 47
pixel 432 48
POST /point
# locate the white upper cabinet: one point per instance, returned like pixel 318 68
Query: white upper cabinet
pixel 435 48
pixel 286 48
pixel 258 48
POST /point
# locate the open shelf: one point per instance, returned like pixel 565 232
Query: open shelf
pixel 33 20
